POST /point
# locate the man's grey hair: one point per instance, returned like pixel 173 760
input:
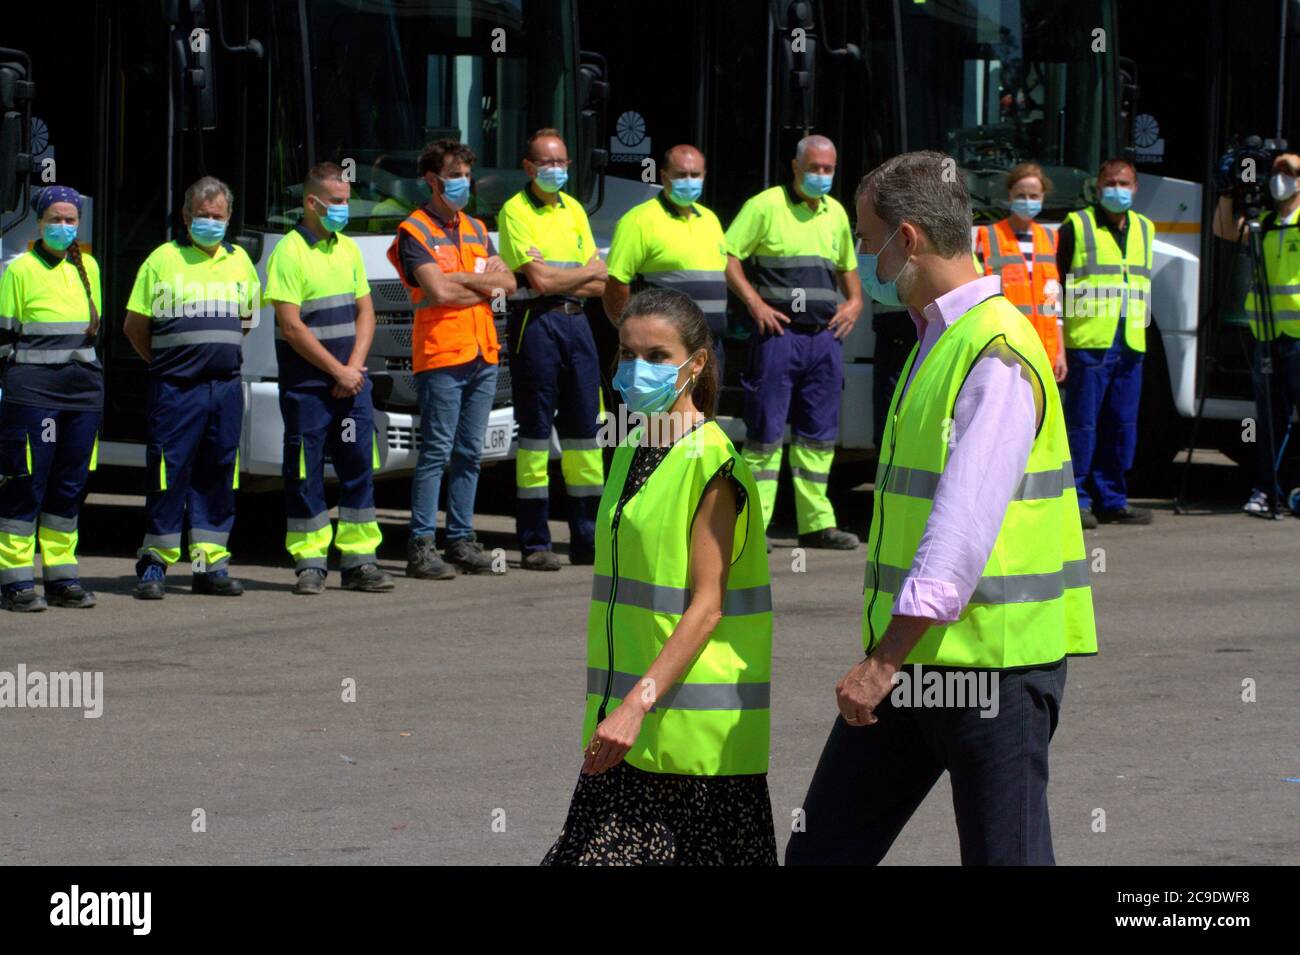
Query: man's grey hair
pixel 814 141
pixel 209 187
pixel 928 190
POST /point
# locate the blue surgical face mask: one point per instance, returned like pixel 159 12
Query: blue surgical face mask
pixel 817 185
pixel 685 191
pixel 552 178
pixel 1116 199
pixel 1027 208
pixel 58 235
pixel 648 387
pixel 207 232
pixel 455 192
pixel 886 293
pixel 335 214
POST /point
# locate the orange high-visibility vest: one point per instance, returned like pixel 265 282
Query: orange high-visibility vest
pixel 1003 256
pixel 446 335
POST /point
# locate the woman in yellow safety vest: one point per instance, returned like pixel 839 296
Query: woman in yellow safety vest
pixel 679 629
pixel 1024 254
pixel 51 401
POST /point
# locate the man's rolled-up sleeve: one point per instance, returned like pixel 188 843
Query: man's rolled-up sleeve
pixel 995 420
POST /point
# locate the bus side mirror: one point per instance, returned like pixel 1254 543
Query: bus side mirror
pixel 593 97
pixel 16 93
pixel 192 74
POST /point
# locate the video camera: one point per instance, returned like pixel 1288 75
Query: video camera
pixel 1244 170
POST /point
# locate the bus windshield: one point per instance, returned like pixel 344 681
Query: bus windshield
pixel 998 82
pixel 386 77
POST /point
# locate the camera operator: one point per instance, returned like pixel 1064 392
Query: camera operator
pixel 1281 248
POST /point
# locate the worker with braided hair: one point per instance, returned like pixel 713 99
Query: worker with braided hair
pixel 51 402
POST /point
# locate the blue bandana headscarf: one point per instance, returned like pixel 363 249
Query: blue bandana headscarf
pixel 52 194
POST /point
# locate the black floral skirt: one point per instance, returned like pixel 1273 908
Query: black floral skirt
pixel 627 816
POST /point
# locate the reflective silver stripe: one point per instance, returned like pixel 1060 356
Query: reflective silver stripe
pixel 579 444
pixel 313 563
pixel 1279 315
pixel 813 445
pixel 1001 261
pixel 815 476
pixel 6 351
pixel 212 308
pixel 39 329
pixel 348 561
pixel 1034 485
pixel 1090 270
pixel 560 264
pixel 521 294
pixel 206 337
pixel 19 528
pixel 1090 251
pixel 766 475
pixel 53 356
pixel 59 571
pixel 10 323
pixel 584 490
pixel 14 575
pixel 429 237
pixel 532 492
pixel 535 444
pixel 324 332
pixel 675 276
pixel 737 602
pixel 1146 244
pixel 327 301
pixel 1284 289
pixel 756 448
pixel 200 535
pixel 1025 309
pixel 305 525
pixel 793 262
pixel 357 515
pixel 64 525
pixel 687 696
pixel 786 294
pixel 712 306
pixel 161 541
pixel 1014 588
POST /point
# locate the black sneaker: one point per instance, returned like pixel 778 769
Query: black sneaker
pixel 540 560
pixel 152 584
pixel 1087 519
pixel 26 600
pixel 830 538
pixel 216 583
pixel 368 578
pixel 582 555
pixel 310 581
pixel 1126 515
pixel 467 554
pixel 423 561
pixel 69 595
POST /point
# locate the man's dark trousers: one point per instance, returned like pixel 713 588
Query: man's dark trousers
pixel 870 779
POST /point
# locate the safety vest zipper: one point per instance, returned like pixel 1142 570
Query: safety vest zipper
pixel 609 614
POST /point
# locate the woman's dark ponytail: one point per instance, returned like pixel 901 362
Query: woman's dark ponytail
pixel 74 256
pixel 693 328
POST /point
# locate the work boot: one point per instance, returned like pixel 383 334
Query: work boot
pixel 541 560
pixel 1087 519
pixel 216 583
pixel 311 581
pixel 829 538
pixel 467 554
pixel 24 600
pixel 582 555
pixel 368 578
pixel 152 584
pixel 69 595
pixel 423 562
pixel 1126 515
